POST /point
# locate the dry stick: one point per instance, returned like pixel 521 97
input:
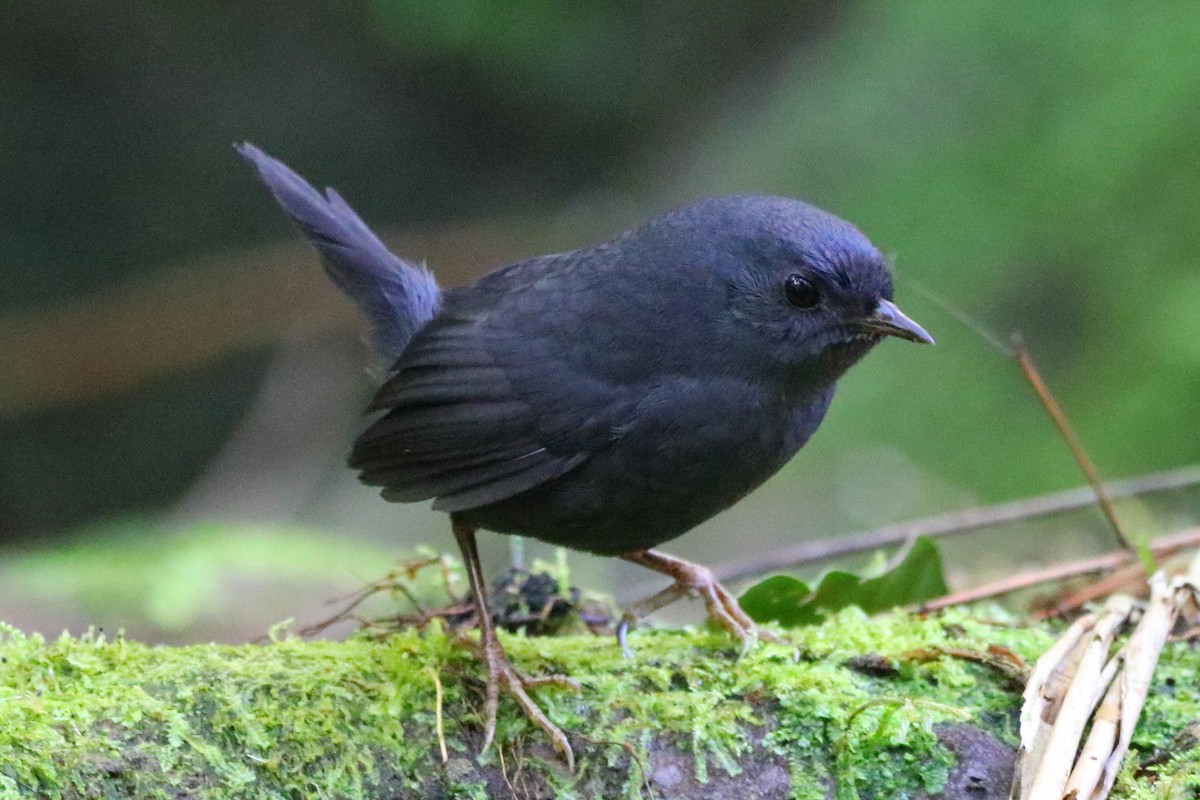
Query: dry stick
pixel 1039 707
pixel 1072 440
pixel 1050 742
pixel 955 523
pixel 1142 654
pixel 1102 738
pixel 1019 351
pixel 1051 762
pixel 1131 579
pixel 1160 548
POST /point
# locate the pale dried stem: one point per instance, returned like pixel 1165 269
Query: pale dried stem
pixel 1110 697
pixel 1051 765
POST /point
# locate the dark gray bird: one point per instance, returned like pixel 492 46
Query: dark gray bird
pixel 610 398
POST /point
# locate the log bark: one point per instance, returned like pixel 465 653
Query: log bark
pixel 894 706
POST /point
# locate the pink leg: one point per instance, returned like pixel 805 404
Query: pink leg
pixel 691 580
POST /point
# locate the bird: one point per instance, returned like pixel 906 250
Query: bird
pixel 606 399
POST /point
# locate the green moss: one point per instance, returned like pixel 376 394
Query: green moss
pixel 86 717
pixel 304 715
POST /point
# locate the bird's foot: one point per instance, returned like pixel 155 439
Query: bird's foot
pixel 502 674
pixel 691 580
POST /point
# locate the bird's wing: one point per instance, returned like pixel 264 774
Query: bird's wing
pixel 476 414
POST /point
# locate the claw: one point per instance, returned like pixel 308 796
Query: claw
pixel 628 620
pixel 691 580
pixel 501 672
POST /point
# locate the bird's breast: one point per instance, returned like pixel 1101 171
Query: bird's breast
pixel 668 470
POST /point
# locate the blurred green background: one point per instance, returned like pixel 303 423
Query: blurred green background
pixel 179 385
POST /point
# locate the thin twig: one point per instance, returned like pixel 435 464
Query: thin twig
pixel 1018 350
pixel 962 317
pixel 1160 548
pixel 512 790
pixel 1130 579
pixel 441 733
pixel 954 523
pixel 1072 440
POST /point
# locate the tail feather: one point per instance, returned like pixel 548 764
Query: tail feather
pixel 397 296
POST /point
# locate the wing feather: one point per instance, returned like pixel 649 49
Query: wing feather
pixel 502 487
pixel 459 429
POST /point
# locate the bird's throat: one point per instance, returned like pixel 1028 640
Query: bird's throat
pixel 814 374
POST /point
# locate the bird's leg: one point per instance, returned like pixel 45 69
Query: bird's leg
pixel 691 580
pixel 500 669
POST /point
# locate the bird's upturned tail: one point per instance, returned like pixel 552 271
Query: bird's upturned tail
pixel 397 296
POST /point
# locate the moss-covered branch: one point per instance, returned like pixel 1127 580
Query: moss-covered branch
pixel 855 708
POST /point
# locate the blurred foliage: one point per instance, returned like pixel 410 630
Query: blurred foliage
pixel 115 133
pixel 1036 165
pixel 118 453
pixel 1033 163
pixel 116 124
pixel 229 581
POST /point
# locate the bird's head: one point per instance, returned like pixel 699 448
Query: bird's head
pixel 807 293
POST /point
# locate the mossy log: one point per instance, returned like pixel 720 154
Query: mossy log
pixel 892 707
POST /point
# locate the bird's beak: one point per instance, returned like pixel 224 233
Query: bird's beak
pixel 891 321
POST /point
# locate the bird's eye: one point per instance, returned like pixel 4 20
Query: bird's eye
pixel 801 292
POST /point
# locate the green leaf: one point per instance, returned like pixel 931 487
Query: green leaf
pixel 790 602
pixel 919 577
pixel 781 599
